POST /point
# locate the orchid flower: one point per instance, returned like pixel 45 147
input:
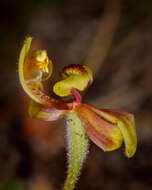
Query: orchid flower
pixel 107 128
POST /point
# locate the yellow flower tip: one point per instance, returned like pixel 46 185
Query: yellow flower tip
pixel 131 151
pixel 41 55
pixel 74 76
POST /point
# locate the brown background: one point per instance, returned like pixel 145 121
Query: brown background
pixel 114 38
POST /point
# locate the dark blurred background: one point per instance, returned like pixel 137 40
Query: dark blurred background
pixel 112 37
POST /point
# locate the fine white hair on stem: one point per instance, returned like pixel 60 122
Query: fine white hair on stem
pixel 77 146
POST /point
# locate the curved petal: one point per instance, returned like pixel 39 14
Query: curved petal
pixel 126 123
pixel 99 120
pixel 31 73
pixel 102 132
pixel 23 56
pixel 43 113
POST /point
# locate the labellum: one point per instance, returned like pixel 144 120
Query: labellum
pixel 107 128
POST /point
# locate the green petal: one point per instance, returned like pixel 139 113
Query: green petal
pixel 34 89
pixel 126 124
pixel 23 55
pixel 22 59
pixel 43 113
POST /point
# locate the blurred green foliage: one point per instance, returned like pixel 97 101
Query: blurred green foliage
pixel 13 184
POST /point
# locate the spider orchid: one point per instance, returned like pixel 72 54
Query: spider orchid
pixel 107 128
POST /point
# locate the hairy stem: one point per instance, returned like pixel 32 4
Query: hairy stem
pixel 77 142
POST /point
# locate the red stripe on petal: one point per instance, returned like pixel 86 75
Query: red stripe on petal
pixel 99 130
pixel 48 101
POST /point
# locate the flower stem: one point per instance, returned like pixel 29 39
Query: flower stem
pixel 77 147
